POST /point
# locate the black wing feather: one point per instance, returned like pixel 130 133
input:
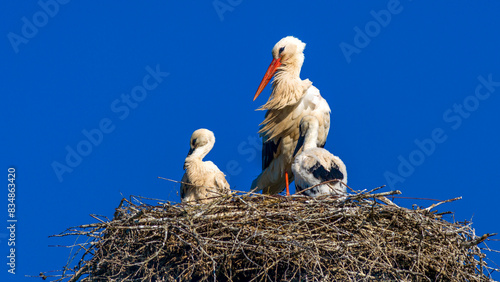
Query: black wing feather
pixel 269 148
pixel 319 172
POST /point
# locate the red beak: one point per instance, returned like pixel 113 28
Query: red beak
pixel 267 77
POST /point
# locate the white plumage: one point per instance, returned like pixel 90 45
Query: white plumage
pixel 291 99
pixel 316 165
pixel 203 181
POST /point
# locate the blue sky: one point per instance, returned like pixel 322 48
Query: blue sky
pixel 101 98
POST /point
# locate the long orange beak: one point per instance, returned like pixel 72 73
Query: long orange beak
pixel 267 77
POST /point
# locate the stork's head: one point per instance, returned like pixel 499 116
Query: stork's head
pixel 289 52
pixel 289 48
pixel 202 138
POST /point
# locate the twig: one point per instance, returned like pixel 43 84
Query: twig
pixel 322 183
pixel 477 241
pixel 442 202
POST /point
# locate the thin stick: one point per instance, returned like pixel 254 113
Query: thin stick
pixel 416 198
pixel 442 202
pixel 190 184
pixel 326 182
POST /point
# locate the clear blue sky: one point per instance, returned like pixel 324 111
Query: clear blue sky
pixel 99 99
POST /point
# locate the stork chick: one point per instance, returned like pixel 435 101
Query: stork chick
pixel 314 165
pixel 203 181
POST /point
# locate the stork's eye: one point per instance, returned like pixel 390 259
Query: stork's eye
pixel 281 50
pixel 194 142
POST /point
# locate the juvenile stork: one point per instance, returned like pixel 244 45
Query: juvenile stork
pixel 316 165
pixel 291 99
pixel 202 181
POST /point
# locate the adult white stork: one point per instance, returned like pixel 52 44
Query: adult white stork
pixel 314 165
pixel 291 99
pixel 202 181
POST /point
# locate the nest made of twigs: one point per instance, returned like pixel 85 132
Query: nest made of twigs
pixel 250 237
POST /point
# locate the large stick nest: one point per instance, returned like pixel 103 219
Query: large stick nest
pixel 249 237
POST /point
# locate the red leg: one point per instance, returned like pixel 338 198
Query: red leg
pixel 287 188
